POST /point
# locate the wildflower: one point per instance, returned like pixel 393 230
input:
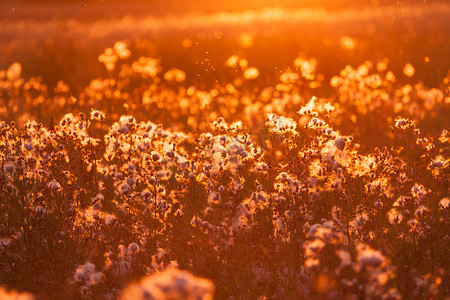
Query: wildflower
pixel 346 259
pixel 133 248
pixel 418 191
pixel 308 109
pixel 251 73
pixel 109 58
pixel 67 120
pixel 445 136
pixel 312 262
pixel 9 167
pixel 336 81
pixel 409 70
pixel 401 201
pixel 121 49
pixel 87 274
pixel 402 123
pixel 243 63
pixel 289 77
pixel 109 219
pixel 314 247
pixel 146 66
pixel 438 165
pixel 14 71
pixel 367 257
pixel 307 67
pixel 444 203
pixel 54 185
pixel 261 167
pixel 328 108
pixel 280 125
pixel 124 188
pixel 156 156
pixel 175 75
pixel 316 123
pixel 28 145
pixel 232 62
pixel 359 221
pixel 340 143
pixel 14 295
pixel 170 284
pixel 97 115
pixel 195 221
pixel 421 210
pixel 288 214
pixel 321 231
pixel 394 216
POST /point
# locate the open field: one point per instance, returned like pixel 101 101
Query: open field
pixel 275 153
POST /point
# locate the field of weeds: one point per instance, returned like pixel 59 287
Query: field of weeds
pixel 274 153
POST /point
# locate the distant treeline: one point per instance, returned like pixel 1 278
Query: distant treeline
pixel 223 3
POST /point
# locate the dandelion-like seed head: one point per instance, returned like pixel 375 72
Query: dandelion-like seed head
pixel 444 203
pixel 308 109
pixel 340 143
pixel 97 115
pixel 394 216
pixel 280 125
pixel 403 123
pixel 14 71
pixel 251 73
pixel 121 49
pixel 54 185
pixel 133 248
pixel 171 284
pixel 9 167
pixel 368 257
pixel 175 75
pixel 409 70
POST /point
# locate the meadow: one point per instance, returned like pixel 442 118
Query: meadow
pixel 275 153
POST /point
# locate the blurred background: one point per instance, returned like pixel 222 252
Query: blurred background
pixel 57 39
pixel 115 8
